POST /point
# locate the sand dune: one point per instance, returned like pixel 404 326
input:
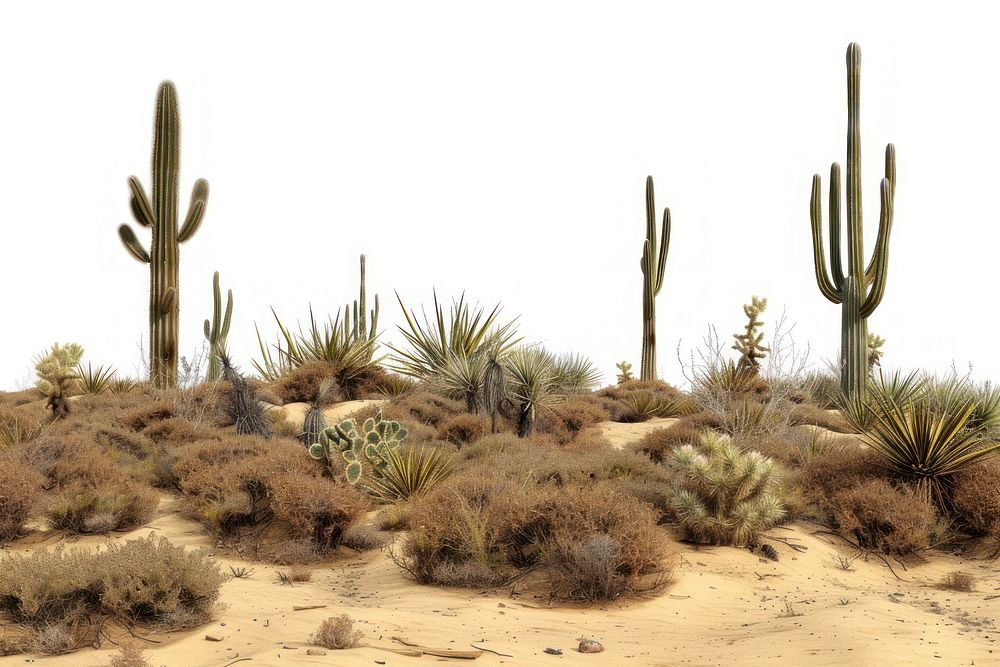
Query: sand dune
pixel 723 606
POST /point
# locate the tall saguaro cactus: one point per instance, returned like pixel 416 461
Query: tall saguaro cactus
pixel 217 331
pixel 160 216
pixel 653 263
pixel 859 291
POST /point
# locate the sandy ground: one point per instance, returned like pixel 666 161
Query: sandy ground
pixel 723 606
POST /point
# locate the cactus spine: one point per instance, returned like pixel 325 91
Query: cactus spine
pixel 653 263
pixel 160 215
pixel 860 290
pixel 217 331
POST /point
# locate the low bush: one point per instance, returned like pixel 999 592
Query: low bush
pixel 836 469
pixel 975 497
pixel 831 420
pixel 337 633
pixel 659 443
pixel 302 384
pixel 116 505
pixel 317 508
pixel 461 429
pixel 20 487
pixel 565 419
pixel 129 655
pixel 147 582
pixel 883 517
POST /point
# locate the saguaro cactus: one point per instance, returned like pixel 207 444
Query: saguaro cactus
pixel 653 263
pixel 859 291
pixel 359 328
pixel 217 331
pixel 160 215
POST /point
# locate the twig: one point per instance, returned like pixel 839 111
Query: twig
pixel 784 540
pixel 480 648
pixel 861 549
pixel 235 661
pixel 314 606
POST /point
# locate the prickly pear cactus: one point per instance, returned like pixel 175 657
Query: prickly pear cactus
pixel 361 448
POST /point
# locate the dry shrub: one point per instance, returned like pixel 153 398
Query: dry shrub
pixel 301 384
pixel 701 421
pixel 365 537
pixel 463 428
pixel 836 469
pixel 658 444
pixel 394 517
pixel 115 505
pixel 146 581
pixel 480 531
pixel 423 407
pixel 129 655
pixel 317 508
pixel 113 438
pixel 337 633
pixel 20 486
pixel 882 517
pixel 805 414
pixel 975 497
pixel 566 419
pixel 174 432
pixel 622 390
pixel 53 639
pixel 146 414
pixel 958 581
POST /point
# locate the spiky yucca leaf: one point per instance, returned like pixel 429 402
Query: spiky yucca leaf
pixel 93 380
pixel 896 387
pixel 122 384
pixel 406 475
pixel 724 495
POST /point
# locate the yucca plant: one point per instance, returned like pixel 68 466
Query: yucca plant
pixel 122 385
pixel 859 410
pixel 644 405
pixel 451 354
pixel 93 380
pixel 16 430
pixel 409 474
pixel 927 441
pixel 724 495
pixel 536 377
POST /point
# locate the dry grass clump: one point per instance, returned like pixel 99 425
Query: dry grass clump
pixel 302 384
pixel 639 400
pixel 805 414
pixel 975 497
pixel 316 508
pixel 958 581
pixel 365 537
pixel 566 419
pixel 337 633
pixel 885 518
pixel 146 414
pixel 836 469
pixel 114 505
pixel 146 582
pixel 20 486
pixel 480 531
pixel 461 429
pixel 129 655
pixel 658 444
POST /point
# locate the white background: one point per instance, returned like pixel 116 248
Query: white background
pixel 502 149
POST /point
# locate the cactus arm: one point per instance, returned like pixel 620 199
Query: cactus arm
pixel 836 263
pixel 374 326
pixel 362 305
pixel 228 317
pixel 661 259
pixel 890 175
pixel 196 211
pixel 141 209
pixel 650 223
pixel 132 244
pixel 881 259
pixel 819 261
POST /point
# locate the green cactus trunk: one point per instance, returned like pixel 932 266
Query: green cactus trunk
pixel 653 265
pixel 217 331
pixel 160 216
pixel 859 292
pixel 355 324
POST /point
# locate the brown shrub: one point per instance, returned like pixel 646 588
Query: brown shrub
pixel 114 505
pixel 975 496
pixel 20 486
pixel 701 421
pixel 658 444
pixel 129 655
pixel 337 633
pixel 145 414
pixel 883 517
pixel 567 418
pixel 365 537
pixel 174 432
pixel 114 438
pixel 836 469
pixel 317 508
pixel 958 581
pixel 463 428
pixel 805 414
pixel 301 384
pixel 424 407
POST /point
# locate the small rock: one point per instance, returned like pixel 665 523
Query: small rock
pixel 212 638
pixel 590 646
pixel 554 651
pixel 315 651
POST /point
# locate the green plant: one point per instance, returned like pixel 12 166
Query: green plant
pixel 412 473
pixel 644 405
pixel 859 291
pixel 925 442
pixel 94 380
pixel 217 331
pixel 56 371
pixel 368 444
pixel 723 495
pixel 537 378
pixel 748 343
pixel 875 353
pixel 895 387
pixel 160 216
pixel 653 265
pixel 452 355
pixel 624 372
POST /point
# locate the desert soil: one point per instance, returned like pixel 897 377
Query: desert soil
pixel 723 606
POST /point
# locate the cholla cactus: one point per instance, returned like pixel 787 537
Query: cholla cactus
pixel 56 371
pixel 748 343
pixel 625 372
pixel 875 353
pixel 370 444
pixel 724 495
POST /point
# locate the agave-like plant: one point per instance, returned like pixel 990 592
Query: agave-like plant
pixel 895 387
pixel 333 342
pixel 405 475
pixel 93 380
pixel 927 441
pixel 451 354
pixel 537 378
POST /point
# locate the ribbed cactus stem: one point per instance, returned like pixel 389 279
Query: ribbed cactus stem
pixel 859 291
pixel 217 331
pixel 160 215
pixel 653 264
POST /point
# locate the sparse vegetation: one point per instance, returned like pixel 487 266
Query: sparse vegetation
pixel 338 633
